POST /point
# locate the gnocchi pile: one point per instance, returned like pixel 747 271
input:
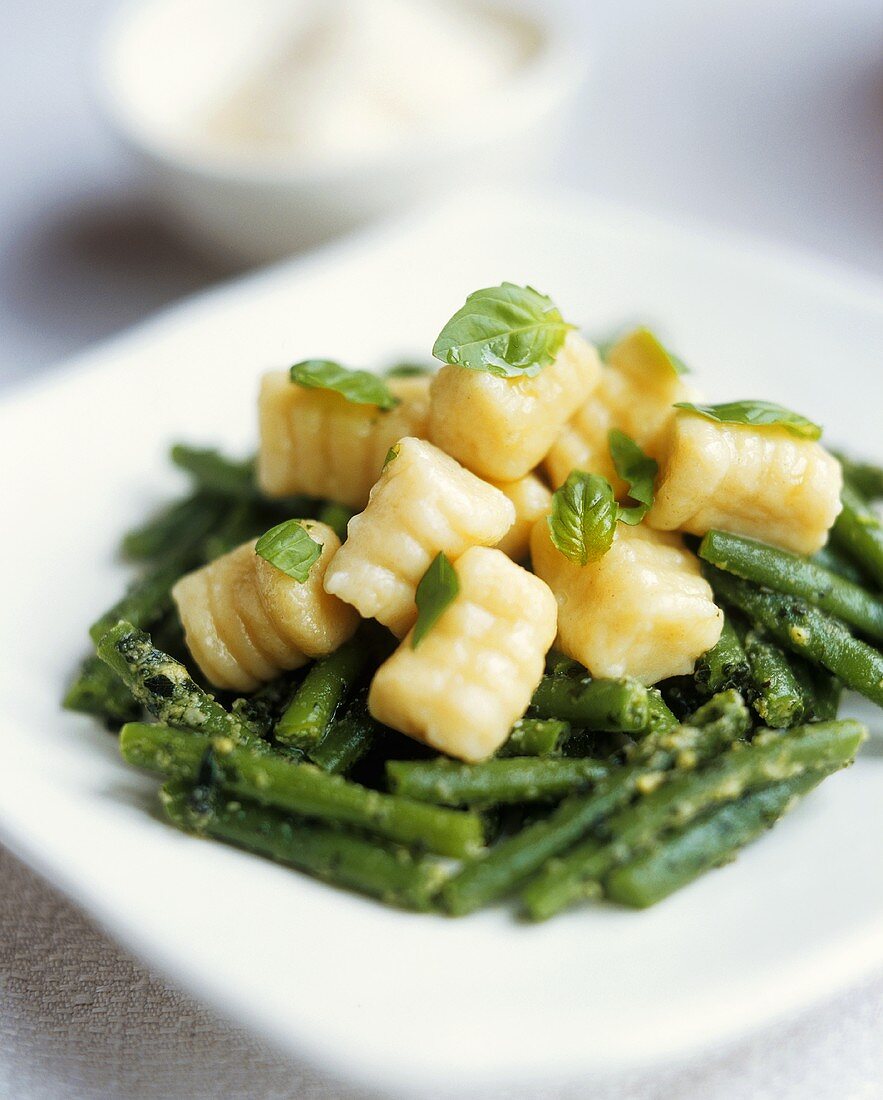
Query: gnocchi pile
pixel 544 579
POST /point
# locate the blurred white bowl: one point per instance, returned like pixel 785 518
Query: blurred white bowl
pixel 164 61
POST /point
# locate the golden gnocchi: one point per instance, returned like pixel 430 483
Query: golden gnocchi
pixel 462 688
pixel 423 504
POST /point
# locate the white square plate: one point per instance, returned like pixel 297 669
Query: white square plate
pixel 421 1002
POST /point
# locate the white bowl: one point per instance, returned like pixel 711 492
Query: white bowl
pixel 162 59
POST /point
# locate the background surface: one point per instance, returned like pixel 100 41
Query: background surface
pixel 764 116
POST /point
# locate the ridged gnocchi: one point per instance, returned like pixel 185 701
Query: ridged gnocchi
pixel 642 610
pixel 473 673
pixel 245 621
pixel 501 428
pixel 635 393
pixel 424 503
pixel 531 499
pixel 316 442
pixel 763 482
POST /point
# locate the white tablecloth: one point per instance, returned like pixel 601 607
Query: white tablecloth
pixel 762 115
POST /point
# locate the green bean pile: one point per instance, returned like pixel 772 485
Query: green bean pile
pixel 606 788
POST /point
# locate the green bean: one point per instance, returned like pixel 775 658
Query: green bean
pixel 770 758
pixel 163 686
pixel 346 742
pixel 535 737
pixel 97 690
pixel 864 476
pixel 859 532
pixel 259 712
pixel 519 856
pixel 301 789
pixel 711 840
pixel 492 782
pixel 836 562
pixel 777 694
pixel 661 718
pixel 724 665
pixel 190 520
pixel 826 693
pixel 311 711
pixel 795 576
pixel 216 474
pixel 337 516
pixel 620 705
pixel 333 854
pixel 147 600
pixel 806 631
pixel 559 665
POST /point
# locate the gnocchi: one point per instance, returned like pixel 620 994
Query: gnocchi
pixel 531 499
pixel 762 482
pixel 635 394
pixel 501 428
pixel 316 442
pixel 642 610
pixel 424 503
pixel 245 621
pixel 473 674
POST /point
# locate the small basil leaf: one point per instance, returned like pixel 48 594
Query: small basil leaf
pixel 583 518
pixel 391 455
pixel 289 547
pixel 438 586
pixel 637 470
pixel 408 370
pixel 507 330
pixel 641 349
pixel 359 386
pixel 757 414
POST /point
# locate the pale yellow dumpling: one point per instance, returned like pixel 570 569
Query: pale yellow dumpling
pixel 317 443
pixel 531 499
pixel 763 482
pixel 423 504
pixel 473 674
pixel 635 393
pixel 642 610
pixel 501 428
pixel 245 621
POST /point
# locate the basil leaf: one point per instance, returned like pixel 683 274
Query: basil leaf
pixel 641 349
pixel 408 370
pixel 637 470
pixel 507 330
pixel 359 386
pixel 438 586
pixel 391 455
pixel 757 414
pixel 583 518
pixel 289 547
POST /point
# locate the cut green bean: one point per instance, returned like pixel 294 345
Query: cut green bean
pixel 771 757
pixel 661 718
pixel 795 576
pixel 337 516
pixel 806 631
pixel 493 782
pixel 346 742
pixel 190 520
pixel 708 842
pixel 866 477
pixel 332 854
pixel 302 789
pixel 97 690
pixel 216 474
pixel 724 665
pixel 163 686
pixel 519 856
pixel 859 532
pixel 535 737
pixel 618 705
pixel 311 711
pixel 776 693
pixel 836 562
